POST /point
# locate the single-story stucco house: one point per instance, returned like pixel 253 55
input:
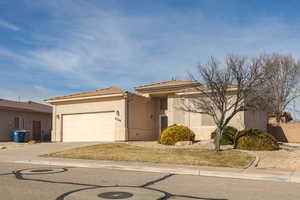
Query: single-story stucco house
pixel 29 115
pixel 114 114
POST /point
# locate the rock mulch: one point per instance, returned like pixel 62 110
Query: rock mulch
pixel 287 157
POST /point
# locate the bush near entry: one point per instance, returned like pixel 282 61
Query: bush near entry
pixel 176 133
pixel 256 140
pixel 228 136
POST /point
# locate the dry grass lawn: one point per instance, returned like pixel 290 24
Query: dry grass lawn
pixel 190 156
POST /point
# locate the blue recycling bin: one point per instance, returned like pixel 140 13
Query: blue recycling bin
pixel 27 136
pixel 20 136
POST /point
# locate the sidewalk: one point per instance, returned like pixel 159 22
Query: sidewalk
pixel 285 175
pixel 29 155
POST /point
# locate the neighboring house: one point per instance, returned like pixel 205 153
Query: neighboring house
pixel 29 115
pixel 113 114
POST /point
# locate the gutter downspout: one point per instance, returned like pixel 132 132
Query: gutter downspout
pixel 54 124
pixel 126 116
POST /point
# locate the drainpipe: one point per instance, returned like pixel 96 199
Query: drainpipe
pixel 126 116
pixel 189 115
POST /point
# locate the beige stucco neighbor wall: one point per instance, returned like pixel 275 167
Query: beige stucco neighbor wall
pixel 7 122
pixel 285 132
pixel 109 104
pixel 141 118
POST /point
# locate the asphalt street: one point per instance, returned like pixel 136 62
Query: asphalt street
pixel 30 182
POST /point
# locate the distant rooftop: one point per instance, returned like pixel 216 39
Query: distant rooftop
pixel 25 105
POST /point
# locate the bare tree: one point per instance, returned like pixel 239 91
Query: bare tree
pixel 282 75
pixel 224 92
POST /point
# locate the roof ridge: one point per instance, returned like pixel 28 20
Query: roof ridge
pixel 24 102
pixel 88 91
pixel 162 82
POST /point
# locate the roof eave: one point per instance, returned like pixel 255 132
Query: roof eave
pixel 164 86
pixel 85 98
pixel 24 109
pixel 199 92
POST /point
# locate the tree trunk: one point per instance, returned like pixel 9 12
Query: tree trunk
pixel 218 140
pixel 278 117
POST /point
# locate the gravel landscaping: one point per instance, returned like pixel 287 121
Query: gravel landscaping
pixel 283 158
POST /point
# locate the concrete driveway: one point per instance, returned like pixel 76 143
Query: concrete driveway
pixel 27 182
pixel 24 151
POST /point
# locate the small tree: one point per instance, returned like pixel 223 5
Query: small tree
pixel 224 92
pixel 282 80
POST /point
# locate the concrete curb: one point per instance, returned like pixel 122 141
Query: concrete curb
pixel 255 162
pixel 181 170
pixel 116 167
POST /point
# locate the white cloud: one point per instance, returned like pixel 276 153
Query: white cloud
pixel 8 25
pixel 104 47
pixel 96 48
pixel 108 42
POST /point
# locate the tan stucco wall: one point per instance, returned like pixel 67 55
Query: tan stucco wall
pixel 194 121
pixel 7 122
pixel 109 104
pixel 156 118
pixel 177 115
pixel 141 118
pixel 256 119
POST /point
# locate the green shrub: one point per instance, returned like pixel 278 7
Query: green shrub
pixel 176 133
pixel 256 140
pixel 227 137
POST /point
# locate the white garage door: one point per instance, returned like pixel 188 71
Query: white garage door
pixel 89 127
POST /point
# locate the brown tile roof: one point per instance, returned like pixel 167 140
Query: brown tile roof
pixel 25 105
pixel 99 92
pixel 166 84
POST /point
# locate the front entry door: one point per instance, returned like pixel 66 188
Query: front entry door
pixel 163 122
pixel 36 130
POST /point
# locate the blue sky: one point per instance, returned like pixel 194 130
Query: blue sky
pixel 57 47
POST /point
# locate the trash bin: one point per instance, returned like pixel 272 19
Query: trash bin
pixel 27 136
pixel 21 136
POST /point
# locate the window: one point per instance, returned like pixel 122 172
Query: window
pixel 23 123
pixel 17 122
pixel 163 123
pixel 164 104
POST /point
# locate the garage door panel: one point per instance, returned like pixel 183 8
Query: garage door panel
pixel 89 127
